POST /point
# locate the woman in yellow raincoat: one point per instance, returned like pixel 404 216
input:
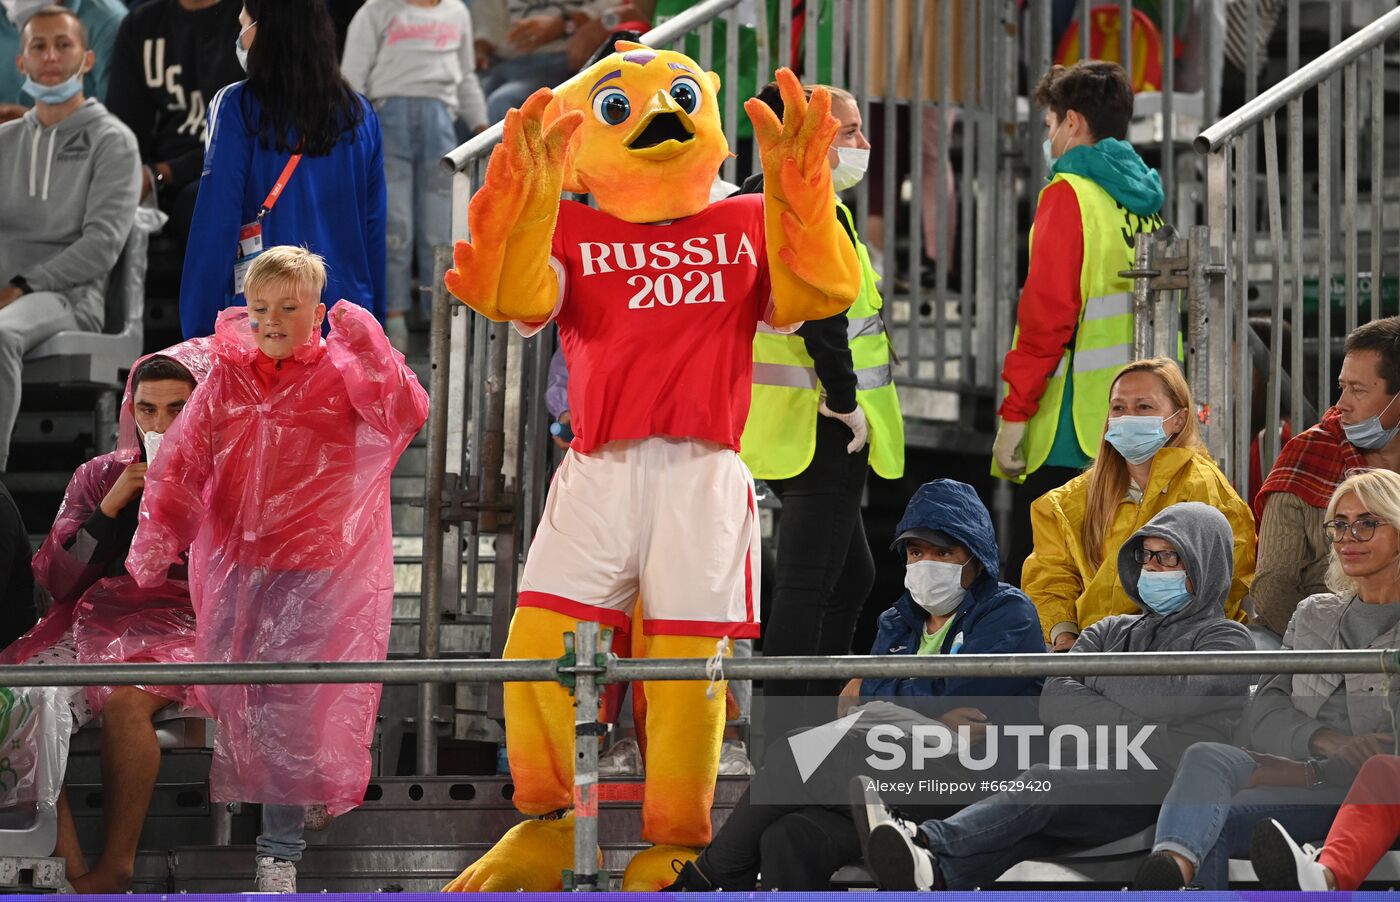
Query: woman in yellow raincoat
pixel 1150 458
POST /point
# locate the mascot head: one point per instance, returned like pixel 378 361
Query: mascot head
pixel 651 143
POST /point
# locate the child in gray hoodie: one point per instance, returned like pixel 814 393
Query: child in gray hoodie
pixel 1178 569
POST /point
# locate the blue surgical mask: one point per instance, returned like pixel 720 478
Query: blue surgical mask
pixel 1163 591
pixel 239 50
pixel 1137 438
pixel 62 92
pixel 1369 434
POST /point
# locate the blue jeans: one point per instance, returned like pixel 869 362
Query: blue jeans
pixel 417 132
pixel 512 79
pixel 978 844
pixel 1208 816
pixel 281 832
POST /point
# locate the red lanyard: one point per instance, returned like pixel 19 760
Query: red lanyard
pixel 271 200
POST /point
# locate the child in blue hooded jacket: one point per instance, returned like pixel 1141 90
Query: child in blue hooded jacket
pixel 955 603
pixel 800 832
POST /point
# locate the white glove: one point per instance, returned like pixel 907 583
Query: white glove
pixel 1007 451
pixel 855 421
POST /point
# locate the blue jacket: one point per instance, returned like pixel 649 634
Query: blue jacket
pixel 334 205
pixel 993 618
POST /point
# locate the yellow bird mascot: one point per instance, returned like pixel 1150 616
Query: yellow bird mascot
pixel 657 295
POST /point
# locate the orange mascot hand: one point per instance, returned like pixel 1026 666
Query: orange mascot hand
pixel 813 265
pixel 503 273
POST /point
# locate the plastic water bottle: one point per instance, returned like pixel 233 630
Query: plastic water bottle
pixel 561 430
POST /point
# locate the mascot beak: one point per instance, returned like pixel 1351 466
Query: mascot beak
pixel 662 131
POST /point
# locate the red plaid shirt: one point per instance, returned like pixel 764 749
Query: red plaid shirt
pixel 1311 465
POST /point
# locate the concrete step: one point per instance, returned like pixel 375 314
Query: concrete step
pixel 474 809
pixel 406 610
pixel 176 767
pixel 403 637
pixel 408 577
pixel 407 517
pixel 351 869
pixel 408 546
pixel 438 826
pixel 413 462
pixel 406 487
pixel 151 874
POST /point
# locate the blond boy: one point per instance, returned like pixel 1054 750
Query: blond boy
pixel 276 480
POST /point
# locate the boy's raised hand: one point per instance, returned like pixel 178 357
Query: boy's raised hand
pixel 349 319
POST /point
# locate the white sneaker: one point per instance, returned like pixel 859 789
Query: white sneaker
pixel 622 759
pixel 889 843
pixel 1280 863
pixel 734 759
pixel 275 876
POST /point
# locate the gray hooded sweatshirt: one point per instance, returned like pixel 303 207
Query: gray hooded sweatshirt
pixel 67 202
pixel 1187 709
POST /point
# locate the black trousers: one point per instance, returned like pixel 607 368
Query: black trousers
pixel 801 831
pixel 824 567
pixel 1022 542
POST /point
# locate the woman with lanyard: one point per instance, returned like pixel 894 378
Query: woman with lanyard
pixel 294 157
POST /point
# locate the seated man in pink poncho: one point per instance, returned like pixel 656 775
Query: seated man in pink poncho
pixel 100 616
pixel 276 478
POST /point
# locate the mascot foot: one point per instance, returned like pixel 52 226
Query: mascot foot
pixel 652 870
pixel 532 856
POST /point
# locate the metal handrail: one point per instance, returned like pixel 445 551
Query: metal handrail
pixel 460 157
pixel 587 664
pixel 1385 661
pixel 1298 83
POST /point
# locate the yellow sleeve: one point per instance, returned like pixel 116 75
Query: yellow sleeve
pixel 1051 576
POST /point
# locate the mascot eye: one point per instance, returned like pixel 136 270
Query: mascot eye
pixel 686 93
pixel 612 107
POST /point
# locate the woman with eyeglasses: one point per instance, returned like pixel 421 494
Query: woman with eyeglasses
pixel 1306 735
pixel 1151 457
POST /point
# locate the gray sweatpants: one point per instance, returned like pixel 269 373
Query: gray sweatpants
pixel 24 323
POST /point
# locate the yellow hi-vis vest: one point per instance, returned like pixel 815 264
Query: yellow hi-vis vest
pixel 1103 340
pixel 781 434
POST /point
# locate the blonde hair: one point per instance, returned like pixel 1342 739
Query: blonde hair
pixel 1108 477
pixel 836 93
pixel 1379 492
pixel 296 266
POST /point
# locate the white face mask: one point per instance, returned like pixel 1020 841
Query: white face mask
pixel 851 163
pixel 152 442
pixel 936 586
pixel 1047 149
pixel 239 50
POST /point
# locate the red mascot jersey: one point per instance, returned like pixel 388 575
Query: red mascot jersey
pixel 657 321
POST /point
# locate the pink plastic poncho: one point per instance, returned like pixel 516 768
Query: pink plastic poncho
pixel 276 477
pixel 112 618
